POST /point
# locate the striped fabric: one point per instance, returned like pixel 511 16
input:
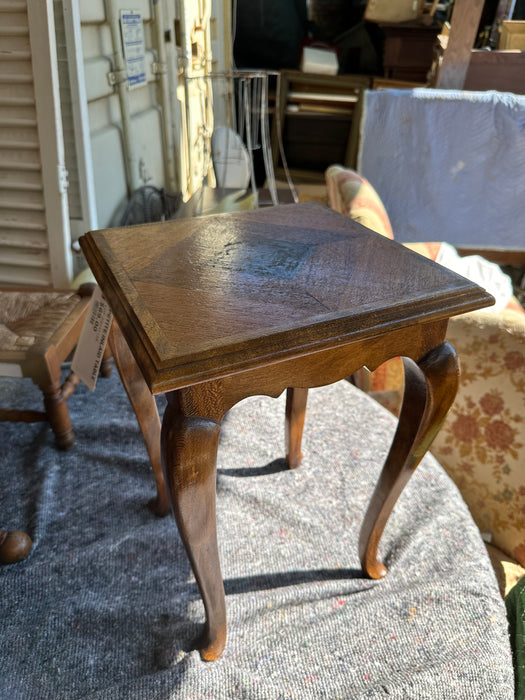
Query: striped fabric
pixel 352 195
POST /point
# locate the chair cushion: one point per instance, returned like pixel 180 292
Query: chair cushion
pixel 482 443
pixel 31 317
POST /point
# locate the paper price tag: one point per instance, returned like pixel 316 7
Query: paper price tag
pixel 93 338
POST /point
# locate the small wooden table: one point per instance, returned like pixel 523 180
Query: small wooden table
pixel 219 308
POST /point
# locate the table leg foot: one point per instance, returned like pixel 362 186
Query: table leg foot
pixel 430 389
pixel 58 414
pixel 189 454
pixel 211 643
pixel 294 424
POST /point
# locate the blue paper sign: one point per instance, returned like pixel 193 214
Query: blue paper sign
pixel 134 49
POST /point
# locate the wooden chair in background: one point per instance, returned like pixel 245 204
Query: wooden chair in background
pixel 38 331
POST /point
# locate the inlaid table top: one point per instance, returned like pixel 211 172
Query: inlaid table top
pixel 202 298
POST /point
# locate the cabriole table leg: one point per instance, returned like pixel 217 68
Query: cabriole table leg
pixel 430 389
pixel 189 459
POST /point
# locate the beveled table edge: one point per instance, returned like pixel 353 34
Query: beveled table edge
pixel 331 330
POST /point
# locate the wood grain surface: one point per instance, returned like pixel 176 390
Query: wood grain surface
pixel 201 298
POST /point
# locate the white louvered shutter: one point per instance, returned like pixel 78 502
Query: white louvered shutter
pixel 34 231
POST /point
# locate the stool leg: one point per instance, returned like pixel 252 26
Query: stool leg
pixel 58 414
pixel 294 424
pixel 430 389
pixel 44 370
pixel 106 366
pixel 189 453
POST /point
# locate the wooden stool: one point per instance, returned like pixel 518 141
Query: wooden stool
pixel 38 330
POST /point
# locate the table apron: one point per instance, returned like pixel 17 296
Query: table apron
pixel 215 397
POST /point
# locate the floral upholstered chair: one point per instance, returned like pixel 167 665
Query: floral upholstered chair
pixel 482 443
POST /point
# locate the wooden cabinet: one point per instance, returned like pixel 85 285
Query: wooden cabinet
pixel 317 120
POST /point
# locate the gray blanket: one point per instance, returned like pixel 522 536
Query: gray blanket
pixel 106 606
pixel 449 165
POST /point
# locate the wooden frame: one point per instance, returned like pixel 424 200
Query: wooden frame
pixel 512 35
pixel 456 58
pixel 340 86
